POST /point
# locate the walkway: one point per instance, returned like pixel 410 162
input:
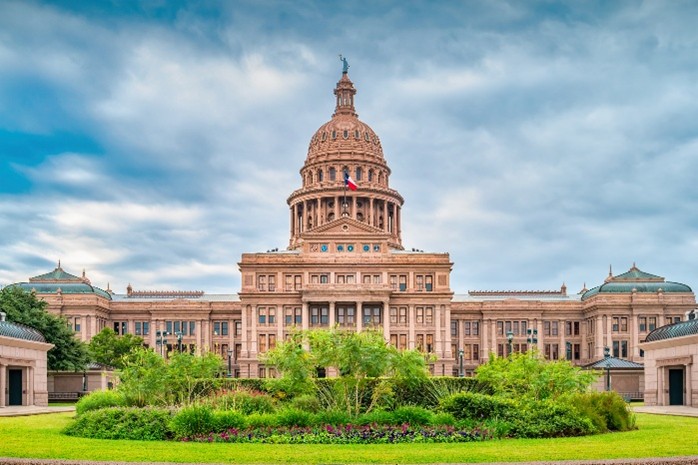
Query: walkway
pixel 679 410
pixel 22 410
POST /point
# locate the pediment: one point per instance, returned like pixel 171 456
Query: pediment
pixel 345 227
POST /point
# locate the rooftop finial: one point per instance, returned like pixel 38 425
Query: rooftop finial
pixel 345 64
pixel 59 263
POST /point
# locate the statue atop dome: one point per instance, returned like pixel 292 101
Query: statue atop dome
pixel 345 64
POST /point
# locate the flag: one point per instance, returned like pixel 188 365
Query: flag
pixel 348 182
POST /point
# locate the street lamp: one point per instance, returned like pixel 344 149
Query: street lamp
pixel 160 340
pixel 510 340
pixel 230 363
pixel 607 357
pixel 179 340
pixel 532 336
pixel 460 363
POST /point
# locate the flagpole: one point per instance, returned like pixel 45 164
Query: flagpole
pixel 344 199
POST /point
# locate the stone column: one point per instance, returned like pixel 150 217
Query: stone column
pixel 599 338
pixel 484 341
pixel 562 327
pixel 385 215
pixel 359 317
pixel 447 331
pixel 305 316
pixel 438 346
pixel 386 320
pixel 370 212
pixel 337 201
pixel 633 350
pixel 411 327
pixel 292 222
pixel 30 385
pixel 332 310
pixel 253 329
pixel 3 383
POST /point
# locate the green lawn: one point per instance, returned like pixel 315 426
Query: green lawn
pixel 39 437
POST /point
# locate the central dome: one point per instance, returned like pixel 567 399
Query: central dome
pixel 344 133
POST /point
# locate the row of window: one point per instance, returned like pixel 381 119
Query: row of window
pixel 470 328
pixel 398 282
pixel 335 175
pixel 345 315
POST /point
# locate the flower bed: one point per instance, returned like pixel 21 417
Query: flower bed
pixel 347 434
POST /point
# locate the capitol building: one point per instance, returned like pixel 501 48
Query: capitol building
pixel 345 266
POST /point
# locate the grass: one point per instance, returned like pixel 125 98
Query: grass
pixel 39 437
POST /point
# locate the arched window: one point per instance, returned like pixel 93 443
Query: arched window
pixel 333 174
pixel 370 175
pixel 359 173
pixel 319 175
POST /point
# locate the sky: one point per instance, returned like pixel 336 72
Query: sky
pixel 538 142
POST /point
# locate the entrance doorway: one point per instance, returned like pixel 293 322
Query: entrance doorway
pixel 676 386
pixel 15 382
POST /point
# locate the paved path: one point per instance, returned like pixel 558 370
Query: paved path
pixel 21 410
pixel 680 410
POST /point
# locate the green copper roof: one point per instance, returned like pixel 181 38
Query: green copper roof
pixel 66 283
pixel 615 363
pixel 19 331
pixel 635 280
pixel 682 328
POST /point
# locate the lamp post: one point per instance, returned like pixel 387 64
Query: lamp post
pixel 160 340
pixel 568 350
pixel 510 341
pixel 230 363
pixel 179 340
pixel 532 336
pixel 607 357
pixel 460 363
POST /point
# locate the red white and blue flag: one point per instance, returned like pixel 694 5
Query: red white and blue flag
pixel 348 182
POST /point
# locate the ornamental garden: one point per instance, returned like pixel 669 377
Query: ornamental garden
pixel 377 394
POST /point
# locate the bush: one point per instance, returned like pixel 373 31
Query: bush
pixel 149 424
pixel 413 416
pixel 242 400
pixel 262 420
pixel 377 417
pixel 429 392
pixel 550 420
pixel 98 400
pixel 333 417
pixel 293 417
pixel 443 419
pixel 470 405
pixel 224 420
pixel 607 410
pixel 308 403
pixel 192 420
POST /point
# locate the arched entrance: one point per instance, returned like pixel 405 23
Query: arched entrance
pixel 14 382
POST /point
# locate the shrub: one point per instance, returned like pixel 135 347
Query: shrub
pixel 226 419
pixel 98 400
pixel 548 420
pixel 443 419
pixel 242 400
pixel 333 417
pixel 262 420
pixel 412 416
pixel 470 405
pixel 308 403
pixel 377 417
pixel 607 410
pixel 294 417
pixel 149 424
pixel 192 420
pixel 428 393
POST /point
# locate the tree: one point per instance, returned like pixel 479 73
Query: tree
pixel 108 348
pixel 68 353
pixel 529 376
pixel 356 357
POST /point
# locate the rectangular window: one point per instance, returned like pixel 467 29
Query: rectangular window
pixel 429 317
pixel 402 315
pixel 192 328
pixel 466 328
pixel 288 282
pixel 546 328
pixel 77 324
pixel 393 282
pixel 616 348
pixel 616 325
pixel 238 327
pixel 500 328
pixel 476 351
pixel 419 282
pixel 224 328
pixel 261 283
pixel 216 328
pixel 271 279
pixel 262 344
pixel 420 342
pixel 403 342
pixel 272 341
pixel 454 328
pixel 624 325
pixel 393 317
pixel 428 283
pixel 168 327
pixel 624 349
pixel 124 327
pixel 554 329
pixel 420 315
pixel 137 328
pixel 271 313
pixel 476 328
pixel 577 351
pixel 262 315
pixel 430 343
pixel 642 323
pixel 403 282
pixel 652 323
pixel 297 282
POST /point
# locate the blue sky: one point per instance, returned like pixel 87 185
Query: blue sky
pixel 154 142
